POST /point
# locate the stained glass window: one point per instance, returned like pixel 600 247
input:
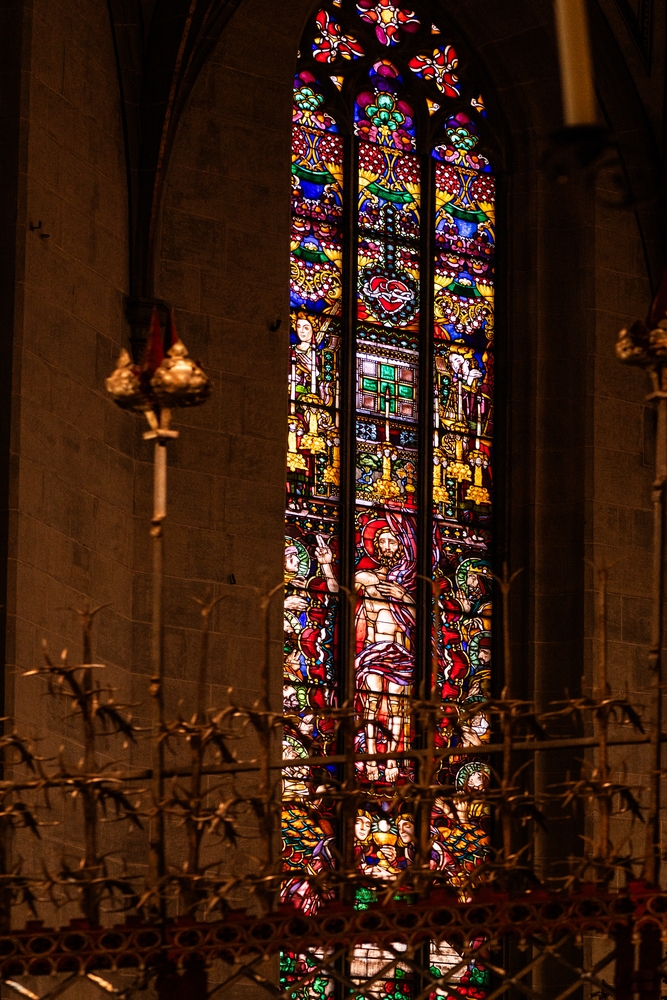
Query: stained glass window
pixel 389 461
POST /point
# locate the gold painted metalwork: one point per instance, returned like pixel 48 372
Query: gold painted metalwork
pixel 124 386
pixel 179 381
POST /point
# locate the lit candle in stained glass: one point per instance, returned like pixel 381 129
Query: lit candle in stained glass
pixel 387 408
pixel 313 370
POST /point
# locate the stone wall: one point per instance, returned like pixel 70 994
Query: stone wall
pixel 71 464
pixel 224 264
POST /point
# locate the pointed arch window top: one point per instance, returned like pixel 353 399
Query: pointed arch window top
pixel 404 98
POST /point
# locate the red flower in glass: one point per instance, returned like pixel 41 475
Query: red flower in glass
pixel 388 18
pixel 332 43
pixel 440 68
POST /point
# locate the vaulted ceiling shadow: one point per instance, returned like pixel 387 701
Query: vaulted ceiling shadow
pixel 160 50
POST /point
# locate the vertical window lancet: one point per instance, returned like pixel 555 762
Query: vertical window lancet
pixel 392 256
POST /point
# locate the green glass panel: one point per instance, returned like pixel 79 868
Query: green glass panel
pixel 406 392
pixel 369 384
pixel 387 371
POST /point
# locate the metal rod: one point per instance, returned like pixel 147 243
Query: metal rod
pixel 265 731
pixel 506 716
pixel 602 720
pixel 157 859
pixel 91 899
pixel 651 870
pixel 245 767
pixel 195 828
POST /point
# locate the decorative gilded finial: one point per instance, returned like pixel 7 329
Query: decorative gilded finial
pixel 179 381
pixel 159 383
pixel 632 345
pixel 645 342
pixel 124 385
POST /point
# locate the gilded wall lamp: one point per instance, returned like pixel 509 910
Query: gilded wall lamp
pixel 156 387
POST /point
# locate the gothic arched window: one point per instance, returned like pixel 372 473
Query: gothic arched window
pixel 389 431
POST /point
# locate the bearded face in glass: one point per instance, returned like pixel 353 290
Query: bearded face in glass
pixel 388 549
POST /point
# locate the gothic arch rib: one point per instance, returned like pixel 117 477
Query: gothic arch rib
pixel 159 56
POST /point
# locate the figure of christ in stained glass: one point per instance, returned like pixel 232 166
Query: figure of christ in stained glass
pixel 385 626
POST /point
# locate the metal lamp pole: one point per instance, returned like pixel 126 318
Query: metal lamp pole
pixel 155 388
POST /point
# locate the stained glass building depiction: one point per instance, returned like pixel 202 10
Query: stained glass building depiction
pixel 390 431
